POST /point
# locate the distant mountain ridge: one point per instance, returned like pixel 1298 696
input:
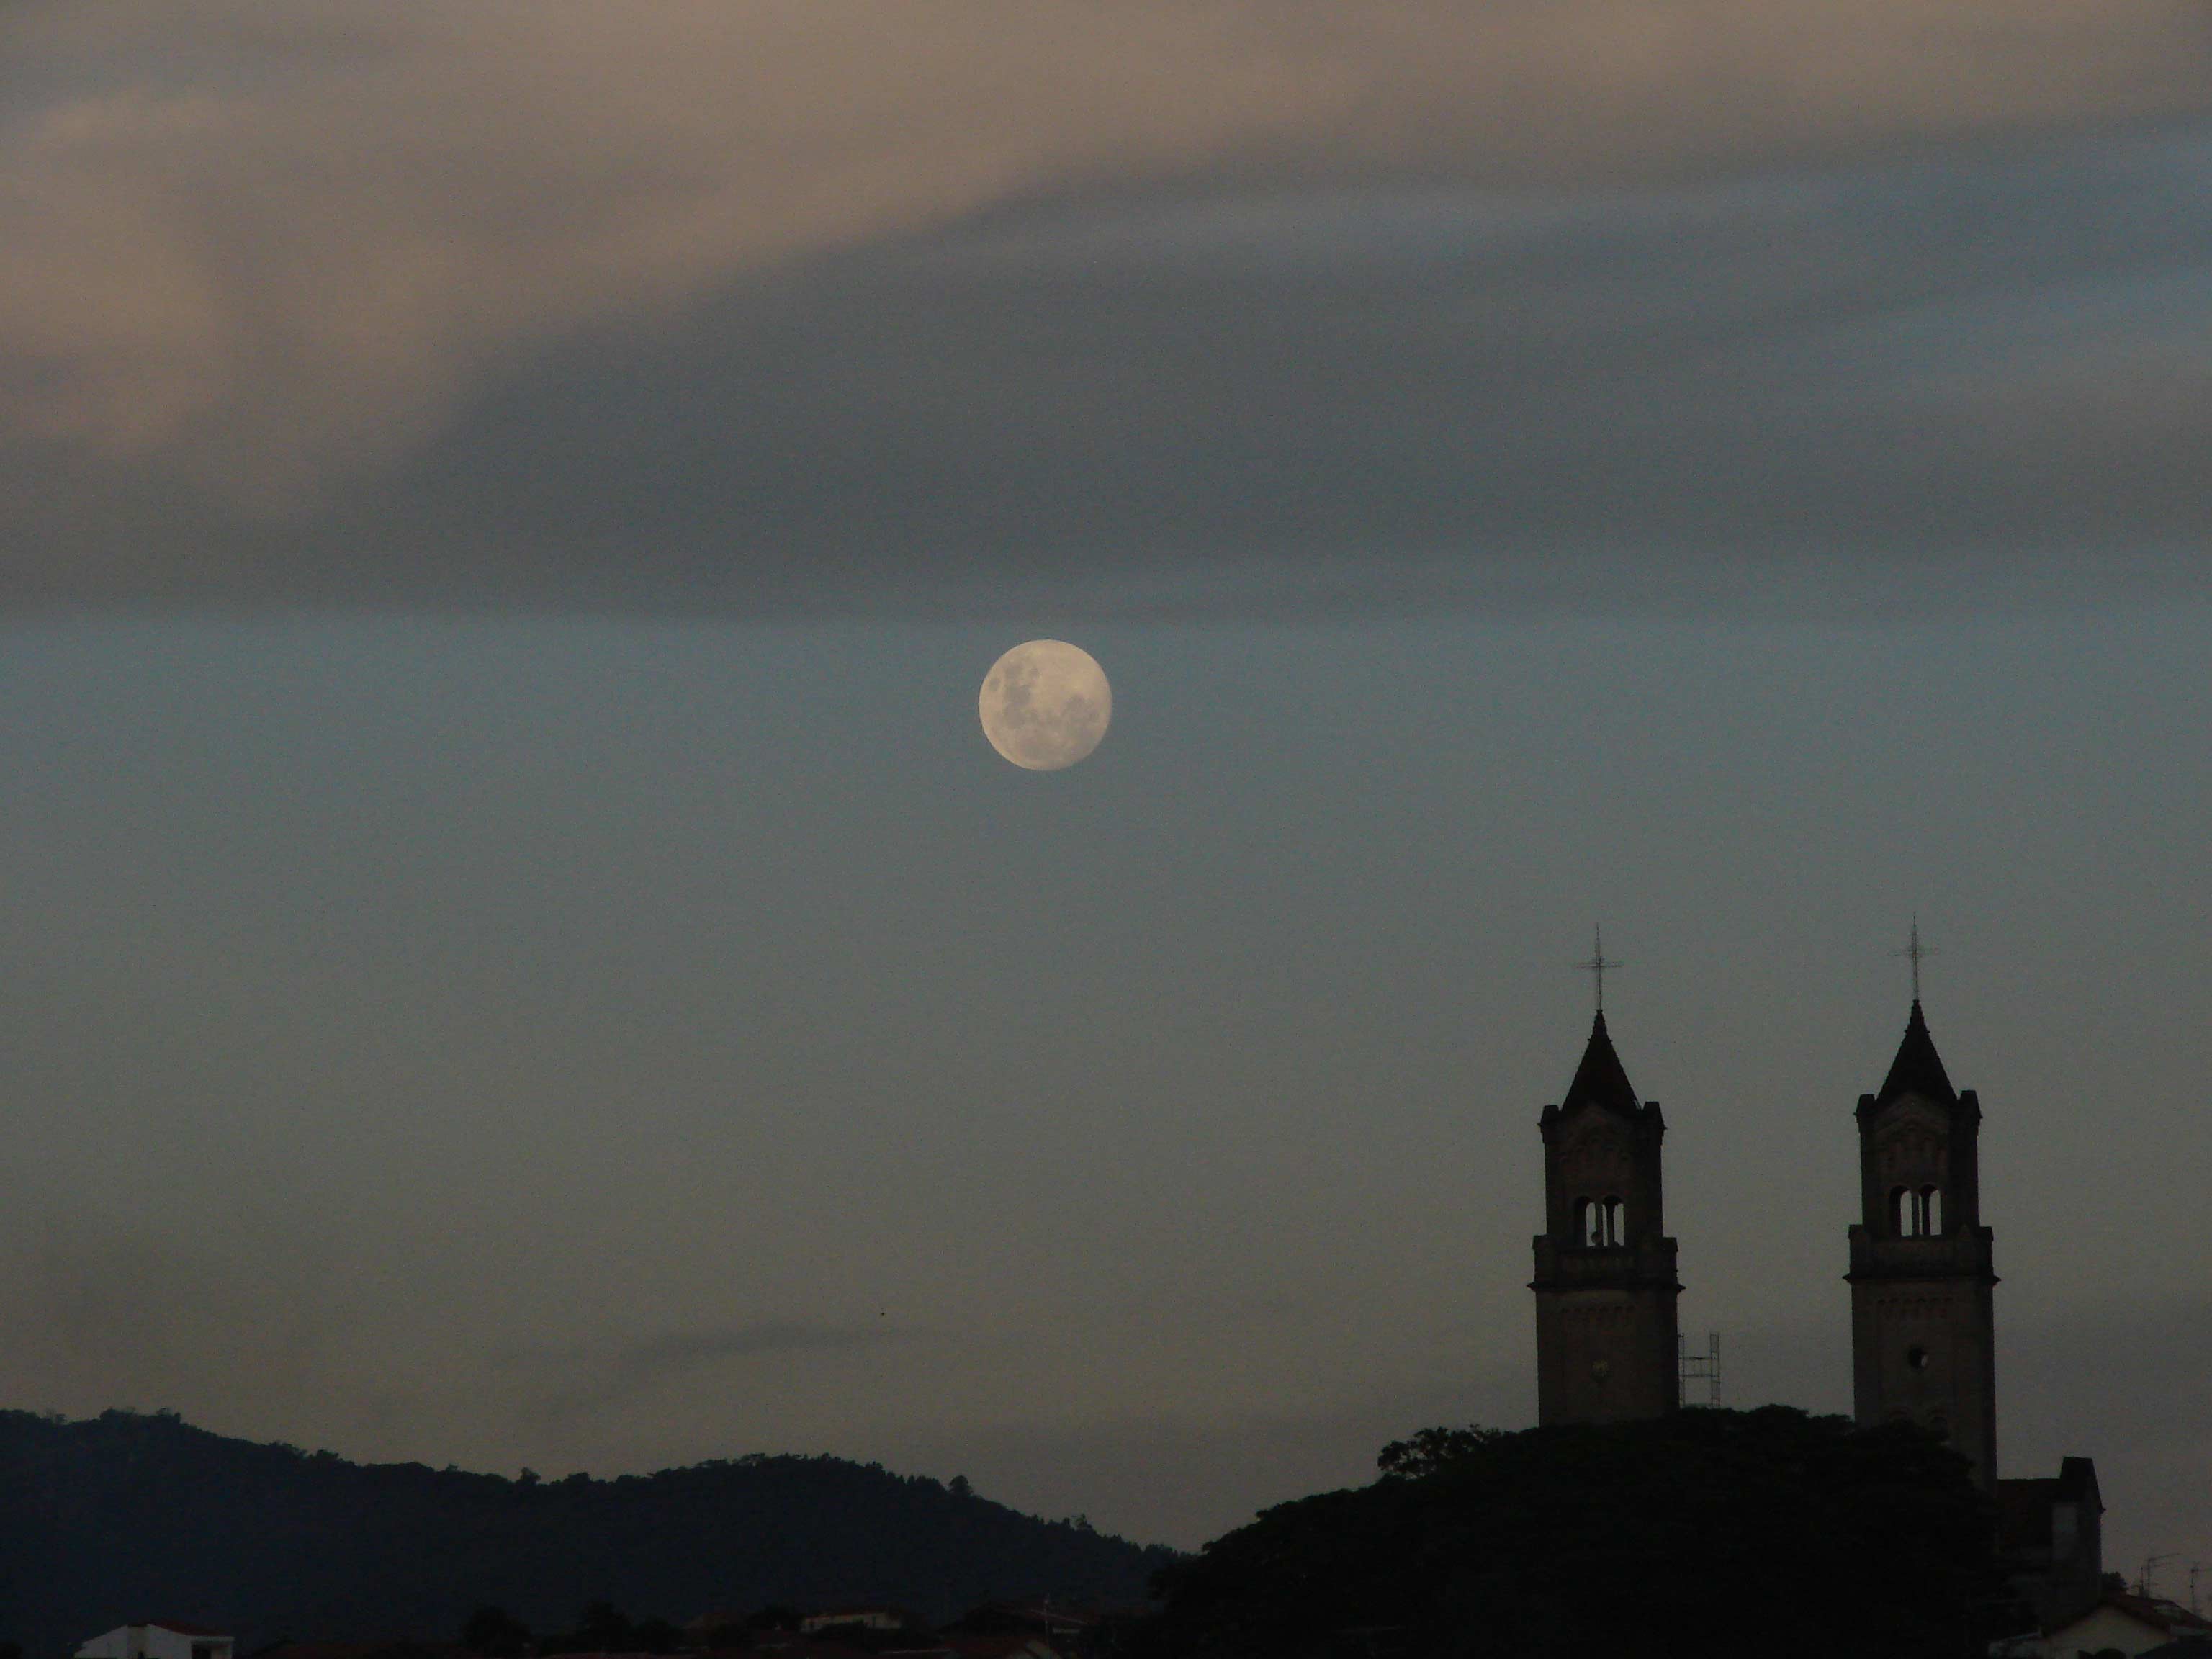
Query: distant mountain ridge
pixel 125 1517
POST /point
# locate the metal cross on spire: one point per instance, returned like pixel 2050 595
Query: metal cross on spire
pixel 1916 952
pixel 1596 966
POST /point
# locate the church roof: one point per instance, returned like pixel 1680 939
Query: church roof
pixel 1917 1069
pixel 1601 1080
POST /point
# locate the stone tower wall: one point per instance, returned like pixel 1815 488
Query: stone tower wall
pixel 1605 1336
pixel 1605 1350
pixel 1924 1322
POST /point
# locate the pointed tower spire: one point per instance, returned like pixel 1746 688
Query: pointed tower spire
pixel 1917 1069
pixel 1601 1080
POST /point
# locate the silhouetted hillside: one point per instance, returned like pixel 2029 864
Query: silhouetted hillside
pixel 126 1517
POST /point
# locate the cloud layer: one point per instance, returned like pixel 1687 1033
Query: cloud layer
pixel 247 263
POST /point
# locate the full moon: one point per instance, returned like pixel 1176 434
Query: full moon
pixel 1045 704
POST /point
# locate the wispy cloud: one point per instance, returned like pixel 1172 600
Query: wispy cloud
pixel 261 254
pixel 565 1382
pixel 1987 366
pixel 678 1351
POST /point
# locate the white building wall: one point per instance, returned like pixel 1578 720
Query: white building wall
pixel 866 1618
pixel 2105 1629
pixel 154 1641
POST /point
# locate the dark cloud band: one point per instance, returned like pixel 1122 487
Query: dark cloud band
pixel 1983 365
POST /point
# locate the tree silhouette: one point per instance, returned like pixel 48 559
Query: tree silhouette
pixel 495 1634
pixel 1694 1534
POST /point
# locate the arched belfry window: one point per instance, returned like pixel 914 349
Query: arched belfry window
pixel 1916 1213
pixel 1599 1223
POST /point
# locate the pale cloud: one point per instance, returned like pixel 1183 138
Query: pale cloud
pixel 265 255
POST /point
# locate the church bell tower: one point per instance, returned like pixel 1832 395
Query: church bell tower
pixel 1605 1269
pixel 1923 1317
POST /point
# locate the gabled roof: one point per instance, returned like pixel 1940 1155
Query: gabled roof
pixel 1917 1069
pixel 2166 1618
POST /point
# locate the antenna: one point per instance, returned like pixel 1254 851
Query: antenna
pixel 1701 1369
pixel 1918 952
pixel 2144 1580
pixel 1596 966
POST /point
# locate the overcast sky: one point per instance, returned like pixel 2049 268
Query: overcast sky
pixel 519 953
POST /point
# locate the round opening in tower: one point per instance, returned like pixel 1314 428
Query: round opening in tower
pixel 1916 1357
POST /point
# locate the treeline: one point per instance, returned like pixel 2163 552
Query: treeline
pixel 1707 1532
pixel 1710 1532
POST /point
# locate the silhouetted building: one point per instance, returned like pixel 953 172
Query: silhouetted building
pixel 1923 1320
pixel 1924 1344
pixel 1605 1269
pixel 2050 1534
